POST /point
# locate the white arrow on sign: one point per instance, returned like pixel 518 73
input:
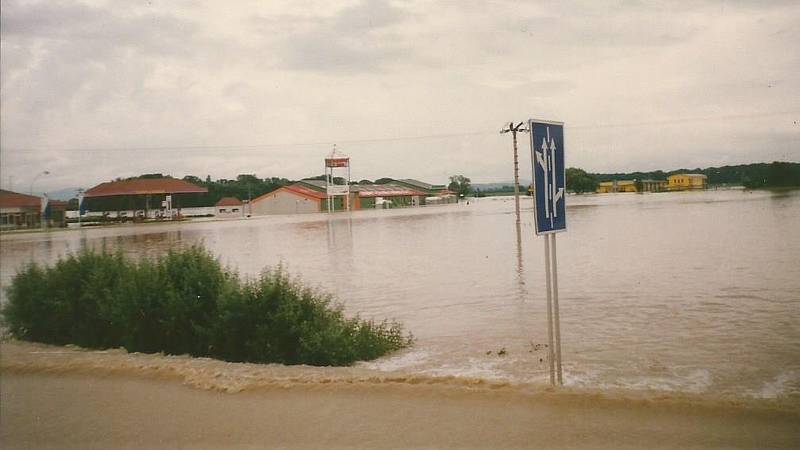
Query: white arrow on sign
pixel 546 159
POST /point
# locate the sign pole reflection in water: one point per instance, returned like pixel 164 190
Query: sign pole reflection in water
pixel 549 186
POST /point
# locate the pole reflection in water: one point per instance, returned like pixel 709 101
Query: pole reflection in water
pixel 340 235
pixel 522 291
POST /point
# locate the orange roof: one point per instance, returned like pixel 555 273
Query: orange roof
pixel 10 199
pixel 297 189
pixel 229 201
pixel 304 191
pixel 144 186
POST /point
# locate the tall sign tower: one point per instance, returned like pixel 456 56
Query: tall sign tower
pixel 337 165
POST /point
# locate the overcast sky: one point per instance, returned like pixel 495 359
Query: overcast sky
pixel 96 90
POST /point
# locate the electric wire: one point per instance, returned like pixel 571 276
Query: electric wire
pixel 244 147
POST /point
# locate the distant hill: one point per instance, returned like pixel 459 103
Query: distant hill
pixel 63 194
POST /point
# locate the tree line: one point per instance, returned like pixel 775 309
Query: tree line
pixel 243 187
pixel 249 186
pixel 757 175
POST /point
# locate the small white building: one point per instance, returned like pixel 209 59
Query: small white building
pixel 229 207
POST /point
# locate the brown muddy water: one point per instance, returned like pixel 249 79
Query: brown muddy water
pixel 695 292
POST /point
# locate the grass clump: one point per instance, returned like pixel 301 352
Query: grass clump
pixel 186 303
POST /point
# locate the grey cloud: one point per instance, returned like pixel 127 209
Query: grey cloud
pixel 65 61
pixel 77 23
pixel 367 16
pixel 593 29
pixel 131 75
pixel 355 40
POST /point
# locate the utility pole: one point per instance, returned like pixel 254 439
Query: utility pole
pixel 513 129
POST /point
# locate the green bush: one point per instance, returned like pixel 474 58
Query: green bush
pixel 186 303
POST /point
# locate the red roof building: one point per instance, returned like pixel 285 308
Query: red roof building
pixel 144 186
pixel 9 199
pixel 229 201
pixel 142 198
pixel 309 196
pixel 229 207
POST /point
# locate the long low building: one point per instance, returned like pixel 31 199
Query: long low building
pixel 614 186
pixel 309 196
pixel 142 197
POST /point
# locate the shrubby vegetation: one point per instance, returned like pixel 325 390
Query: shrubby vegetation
pixel 186 303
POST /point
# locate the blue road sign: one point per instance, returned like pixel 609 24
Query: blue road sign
pixel 549 175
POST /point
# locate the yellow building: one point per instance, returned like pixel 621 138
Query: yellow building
pixel 654 185
pixel 626 186
pixel 606 187
pixel 687 181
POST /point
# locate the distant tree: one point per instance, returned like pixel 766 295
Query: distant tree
pixel 783 174
pixel 460 185
pixel 248 178
pixel 383 180
pixel 193 179
pixel 365 182
pixel 579 181
pixel 749 175
pixel 243 187
pixel 336 180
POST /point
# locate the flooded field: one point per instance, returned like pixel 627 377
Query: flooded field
pixel 694 292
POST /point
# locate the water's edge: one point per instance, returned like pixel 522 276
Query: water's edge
pixel 17 357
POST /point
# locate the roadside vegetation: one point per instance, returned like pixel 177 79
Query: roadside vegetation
pixel 752 176
pixel 185 302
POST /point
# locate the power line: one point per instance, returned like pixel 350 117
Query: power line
pixel 257 146
pixel 684 120
pixel 233 147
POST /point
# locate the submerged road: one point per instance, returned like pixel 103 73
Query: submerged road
pixel 120 411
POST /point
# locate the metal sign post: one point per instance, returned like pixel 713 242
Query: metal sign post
pixel 549 186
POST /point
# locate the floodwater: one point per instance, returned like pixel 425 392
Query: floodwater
pixel 694 292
